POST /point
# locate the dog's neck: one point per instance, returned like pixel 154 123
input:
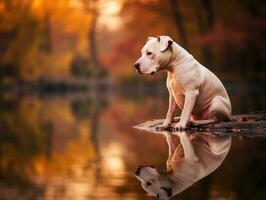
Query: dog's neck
pixel 178 185
pixel 166 66
pixel 178 55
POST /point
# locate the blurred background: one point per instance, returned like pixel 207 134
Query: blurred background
pixel 69 93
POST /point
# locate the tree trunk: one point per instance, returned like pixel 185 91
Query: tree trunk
pixel 175 9
pixel 92 40
pixel 204 25
pixel 92 10
pixel 47 44
pixel 207 5
pixel 207 54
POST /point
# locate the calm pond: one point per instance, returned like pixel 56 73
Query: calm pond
pixel 83 146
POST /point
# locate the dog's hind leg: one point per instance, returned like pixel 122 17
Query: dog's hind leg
pixel 202 122
pixel 220 109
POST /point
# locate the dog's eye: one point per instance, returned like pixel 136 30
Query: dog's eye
pixel 148 183
pixel 149 53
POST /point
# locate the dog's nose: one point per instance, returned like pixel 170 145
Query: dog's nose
pixel 137 172
pixel 136 65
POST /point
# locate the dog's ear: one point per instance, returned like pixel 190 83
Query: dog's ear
pixel 165 42
pixel 149 38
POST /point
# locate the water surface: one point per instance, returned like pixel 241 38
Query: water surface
pixel 83 146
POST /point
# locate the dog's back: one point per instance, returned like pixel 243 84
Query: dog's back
pixel 210 150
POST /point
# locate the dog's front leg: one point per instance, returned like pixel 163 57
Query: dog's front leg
pixel 190 98
pixel 171 111
pixel 188 148
pixel 172 144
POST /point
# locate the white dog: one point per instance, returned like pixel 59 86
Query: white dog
pixel 190 159
pixel 193 88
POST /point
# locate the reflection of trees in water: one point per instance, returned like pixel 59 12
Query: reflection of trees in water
pixel 20 142
pixel 33 134
pixel 30 131
pixel 91 108
pixel 48 140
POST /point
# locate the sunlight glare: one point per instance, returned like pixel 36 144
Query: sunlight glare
pixel 114 166
pixel 109 11
pixel 113 158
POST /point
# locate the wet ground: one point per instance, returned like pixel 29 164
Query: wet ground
pixel 83 146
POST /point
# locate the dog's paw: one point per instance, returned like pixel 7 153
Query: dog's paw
pixel 180 126
pixel 191 124
pixel 164 126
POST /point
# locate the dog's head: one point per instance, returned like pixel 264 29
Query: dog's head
pixel 155 55
pixel 154 182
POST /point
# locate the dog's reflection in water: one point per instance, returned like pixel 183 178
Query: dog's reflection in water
pixel 191 158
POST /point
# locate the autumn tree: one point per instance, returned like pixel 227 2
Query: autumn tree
pixel 179 22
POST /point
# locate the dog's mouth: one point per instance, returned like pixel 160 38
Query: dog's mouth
pixel 138 70
pixel 141 73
